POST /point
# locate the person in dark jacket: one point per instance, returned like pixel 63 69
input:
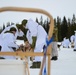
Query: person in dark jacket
pixel 54 55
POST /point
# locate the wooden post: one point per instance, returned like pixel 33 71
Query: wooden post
pixel 33 10
pixel 49 61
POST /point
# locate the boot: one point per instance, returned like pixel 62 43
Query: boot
pixel 34 65
pixel 2 58
pixel 54 58
pixel 74 49
pixel 0 48
pixel 38 64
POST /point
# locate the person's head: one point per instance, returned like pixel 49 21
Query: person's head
pixel 24 22
pixel 18 26
pixel 13 30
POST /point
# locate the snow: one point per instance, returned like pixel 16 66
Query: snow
pixel 65 65
pixel 19 42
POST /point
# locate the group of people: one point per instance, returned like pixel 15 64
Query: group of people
pixel 69 43
pixel 66 43
pixel 29 31
pixel 8 40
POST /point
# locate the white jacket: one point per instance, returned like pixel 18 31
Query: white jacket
pixel 18 33
pixel 40 33
pixel 8 42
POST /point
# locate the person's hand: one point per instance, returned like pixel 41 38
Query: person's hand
pixel 32 49
pixel 21 45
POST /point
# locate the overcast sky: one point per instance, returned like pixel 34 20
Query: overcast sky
pixel 54 7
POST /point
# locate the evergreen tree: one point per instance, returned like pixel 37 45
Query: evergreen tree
pixel 12 23
pixel 64 28
pixel 37 20
pixel 41 21
pixel 55 23
pixel 47 25
pixel 59 28
pixel 73 24
pixel 73 20
pixel 44 25
pixel 3 26
pixel 69 28
pixel 8 24
pixel 1 29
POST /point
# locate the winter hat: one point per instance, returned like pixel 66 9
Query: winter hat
pixel 18 26
pixel 24 22
pixel 13 29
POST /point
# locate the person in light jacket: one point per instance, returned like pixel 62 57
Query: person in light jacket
pixel 54 52
pixel 18 30
pixel 36 35
pixel 8 43
pixel 72 39
pixel 66 43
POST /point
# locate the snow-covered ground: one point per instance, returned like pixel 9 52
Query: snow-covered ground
pixel 65 65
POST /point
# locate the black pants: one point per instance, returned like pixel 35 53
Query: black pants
pixel 36 65
pixel 0 48
pixel 2 58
